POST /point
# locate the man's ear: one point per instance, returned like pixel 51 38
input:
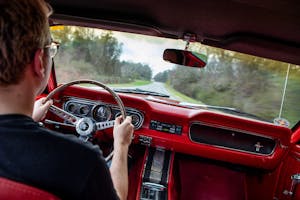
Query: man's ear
pixel 38 63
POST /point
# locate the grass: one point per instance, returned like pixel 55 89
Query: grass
pixel 180 96
pixel 132 84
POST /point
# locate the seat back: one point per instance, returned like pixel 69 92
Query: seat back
pixel 13 190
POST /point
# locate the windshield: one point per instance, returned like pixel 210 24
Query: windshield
pixel 265 88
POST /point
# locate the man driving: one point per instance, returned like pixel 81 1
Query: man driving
pixel 61 164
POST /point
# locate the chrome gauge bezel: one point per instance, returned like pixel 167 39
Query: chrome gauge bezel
pixel 67 107
pixel 94 105
pixel 84 110
pixel 97 117
pixel 133 113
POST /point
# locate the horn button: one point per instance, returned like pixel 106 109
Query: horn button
pixel 85 126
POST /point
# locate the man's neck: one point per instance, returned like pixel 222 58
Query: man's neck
pixel 16 99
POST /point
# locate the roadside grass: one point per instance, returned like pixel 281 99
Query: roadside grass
pixel 131 84
pixel 181 97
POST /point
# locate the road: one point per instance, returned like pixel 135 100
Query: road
pixel 154 87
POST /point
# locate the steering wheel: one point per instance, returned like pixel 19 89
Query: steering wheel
pixel 85 127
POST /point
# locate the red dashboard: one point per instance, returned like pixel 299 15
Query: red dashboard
pixel 195 131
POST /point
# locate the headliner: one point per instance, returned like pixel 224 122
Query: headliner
pixel 267 28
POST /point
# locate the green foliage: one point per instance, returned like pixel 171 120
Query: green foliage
pixel 105 52
pixel 241 81
pixel 136 83
pixel 87 53
pixel 102 51
pixel 136 71
pixel 162 76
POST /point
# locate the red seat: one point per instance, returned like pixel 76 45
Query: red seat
pixel 16 191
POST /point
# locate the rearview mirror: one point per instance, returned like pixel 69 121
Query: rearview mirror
pixel 184 57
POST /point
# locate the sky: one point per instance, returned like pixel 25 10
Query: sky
pixel 147 50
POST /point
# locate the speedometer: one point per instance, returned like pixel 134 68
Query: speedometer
pixel 102 113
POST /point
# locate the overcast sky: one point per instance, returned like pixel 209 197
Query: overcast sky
pixel 147 50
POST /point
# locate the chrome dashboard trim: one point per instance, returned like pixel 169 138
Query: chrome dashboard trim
pixel 93 103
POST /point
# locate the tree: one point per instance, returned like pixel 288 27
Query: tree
pixel 162 76
pixel 234 80
pixel 105 54
pixel 136 71
pixel 84 44
pixel 61 34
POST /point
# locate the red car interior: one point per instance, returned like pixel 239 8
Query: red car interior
pixel 194 166
pixel 179 152
pixel 17 191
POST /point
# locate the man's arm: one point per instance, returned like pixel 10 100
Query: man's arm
pixel 119 172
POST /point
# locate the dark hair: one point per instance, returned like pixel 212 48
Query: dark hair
pixel 24 29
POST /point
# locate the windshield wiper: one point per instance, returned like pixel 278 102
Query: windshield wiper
pixel 140 91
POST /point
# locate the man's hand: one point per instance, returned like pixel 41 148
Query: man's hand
pixel 123 131
pixel 40 109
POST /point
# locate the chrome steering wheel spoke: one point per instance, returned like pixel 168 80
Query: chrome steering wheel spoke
pixel 105 125
pixel 64 115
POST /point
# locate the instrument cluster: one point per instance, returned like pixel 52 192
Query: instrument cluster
pixel 99 111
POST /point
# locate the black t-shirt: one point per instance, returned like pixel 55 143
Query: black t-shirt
pixel 60 164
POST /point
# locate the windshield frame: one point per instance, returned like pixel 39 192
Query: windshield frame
pixel 199 47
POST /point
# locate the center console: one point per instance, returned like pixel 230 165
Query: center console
pixel 156 175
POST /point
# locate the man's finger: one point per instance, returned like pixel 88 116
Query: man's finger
pixel 43 100
pixel 118 120
pixel 47 104
pixel 50 102
pixel 128 119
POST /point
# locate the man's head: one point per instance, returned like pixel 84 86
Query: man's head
pixel 24 34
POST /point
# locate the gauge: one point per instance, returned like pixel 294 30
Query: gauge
pixel 84 110
pixel 102 113
pixel 71 107
pixel 136 119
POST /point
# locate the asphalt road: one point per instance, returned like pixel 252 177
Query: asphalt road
pixel 155 87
